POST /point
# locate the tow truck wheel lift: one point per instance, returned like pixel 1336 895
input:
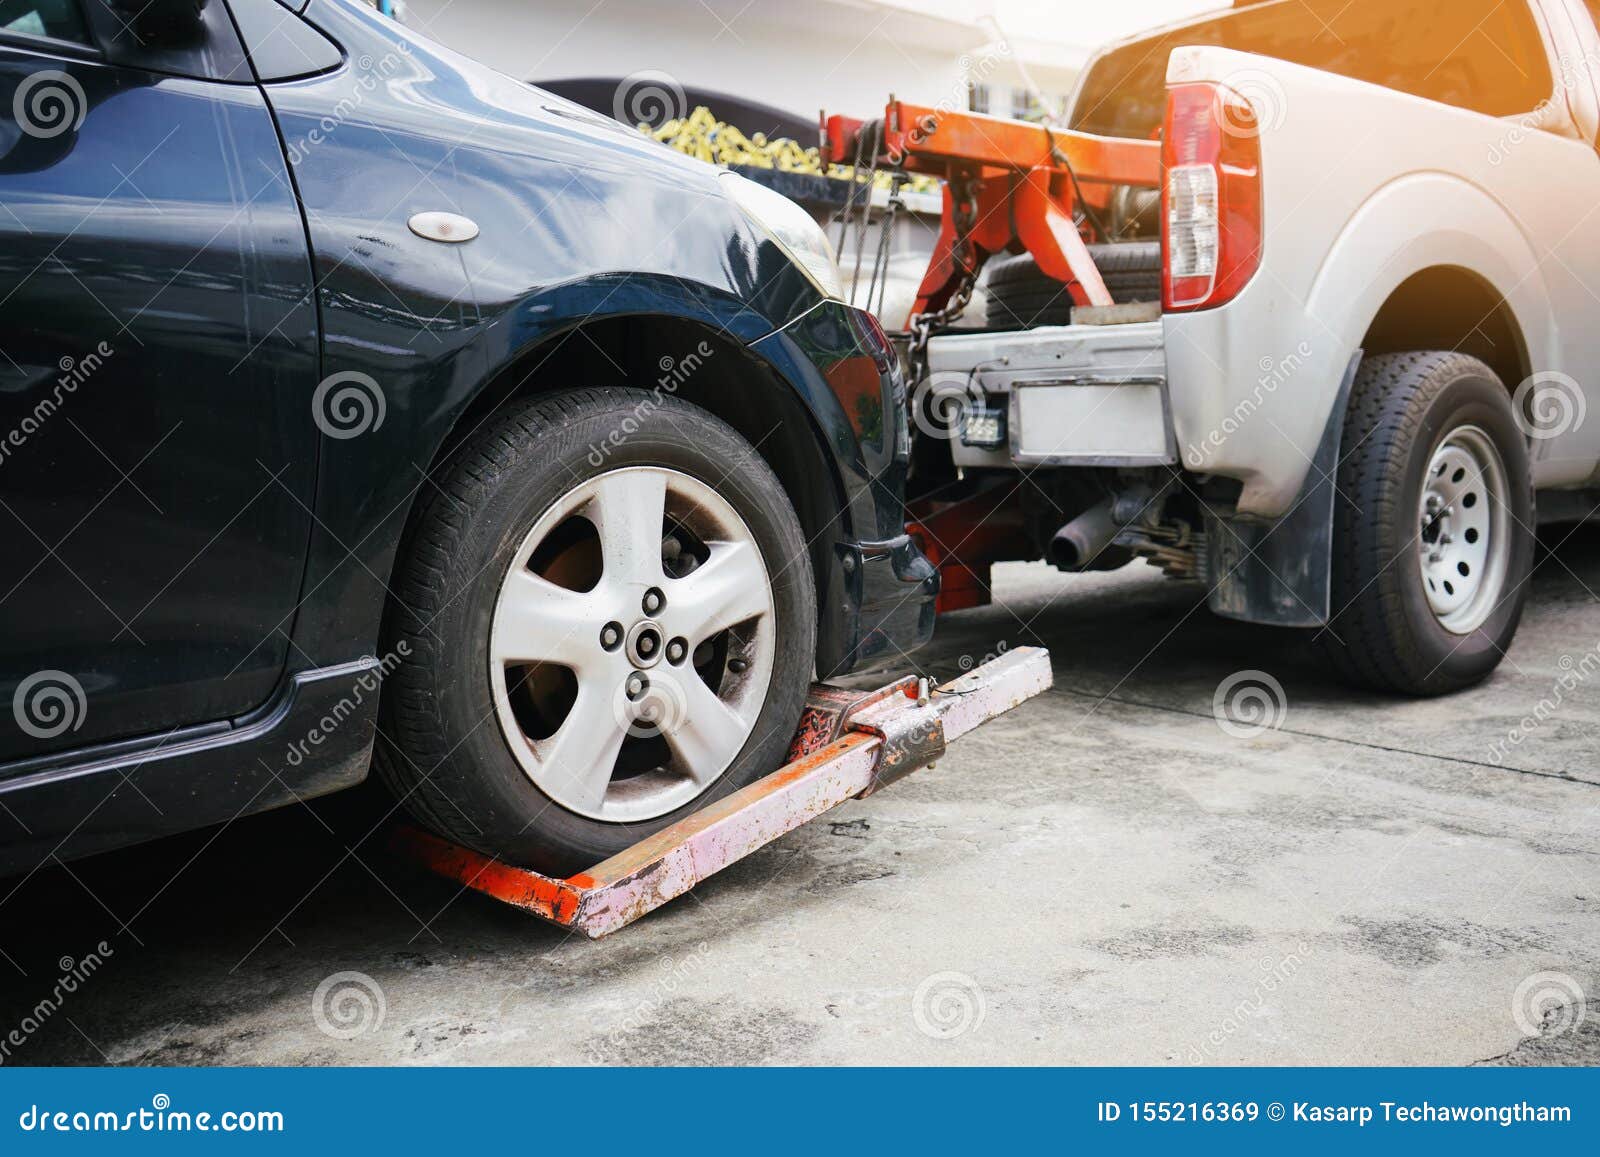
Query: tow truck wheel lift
pixel 850 744
pixel 1008 186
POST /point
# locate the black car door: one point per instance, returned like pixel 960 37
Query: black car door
pixel 158 356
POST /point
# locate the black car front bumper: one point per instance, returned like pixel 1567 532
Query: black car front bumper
pixel 875 588
pixel 891 587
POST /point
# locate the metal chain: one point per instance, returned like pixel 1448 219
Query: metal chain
pixel 880 265
pixel 925 325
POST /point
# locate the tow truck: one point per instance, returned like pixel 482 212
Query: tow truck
pixel 1012 187
pixel 1291 302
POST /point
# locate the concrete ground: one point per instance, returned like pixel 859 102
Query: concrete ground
pixel 1107 875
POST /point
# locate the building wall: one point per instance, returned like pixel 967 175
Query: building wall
pixel 800 56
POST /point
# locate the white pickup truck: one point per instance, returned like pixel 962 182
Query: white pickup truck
pixel 1377 253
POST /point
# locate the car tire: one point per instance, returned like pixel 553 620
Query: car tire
pixel 540 535
pixel 1433 525
pixel 1021 297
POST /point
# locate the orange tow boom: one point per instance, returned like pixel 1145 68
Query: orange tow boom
pixel 1009 186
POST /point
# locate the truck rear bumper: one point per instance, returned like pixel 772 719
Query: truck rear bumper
pixel 1071 395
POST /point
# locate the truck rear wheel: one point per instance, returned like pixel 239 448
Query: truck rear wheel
pixel 1433 525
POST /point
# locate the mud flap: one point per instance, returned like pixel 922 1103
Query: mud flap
pixel 1280 573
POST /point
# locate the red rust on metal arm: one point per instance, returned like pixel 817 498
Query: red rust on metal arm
pixel 652 850
pixel 644 878
pixel 828 710
pixel 555 900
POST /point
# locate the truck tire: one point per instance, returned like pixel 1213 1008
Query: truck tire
pixel 1433 525
pixel 1020 297
pixel 605 618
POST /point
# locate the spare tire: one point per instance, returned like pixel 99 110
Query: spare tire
pixel 1021 297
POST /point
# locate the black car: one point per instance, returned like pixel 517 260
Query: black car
pixel 360 406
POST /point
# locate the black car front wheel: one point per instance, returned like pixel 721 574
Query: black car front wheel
pixel 610 620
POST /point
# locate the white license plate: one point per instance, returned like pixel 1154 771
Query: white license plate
pixel 1121 423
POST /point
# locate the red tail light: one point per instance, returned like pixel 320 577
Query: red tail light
pixel 1210 196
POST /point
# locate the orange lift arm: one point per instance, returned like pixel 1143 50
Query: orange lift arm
pixel 1009 186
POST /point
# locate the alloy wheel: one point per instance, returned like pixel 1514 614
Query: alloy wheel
pixel 632 644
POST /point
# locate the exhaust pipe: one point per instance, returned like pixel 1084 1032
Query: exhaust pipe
pixel 1085 543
